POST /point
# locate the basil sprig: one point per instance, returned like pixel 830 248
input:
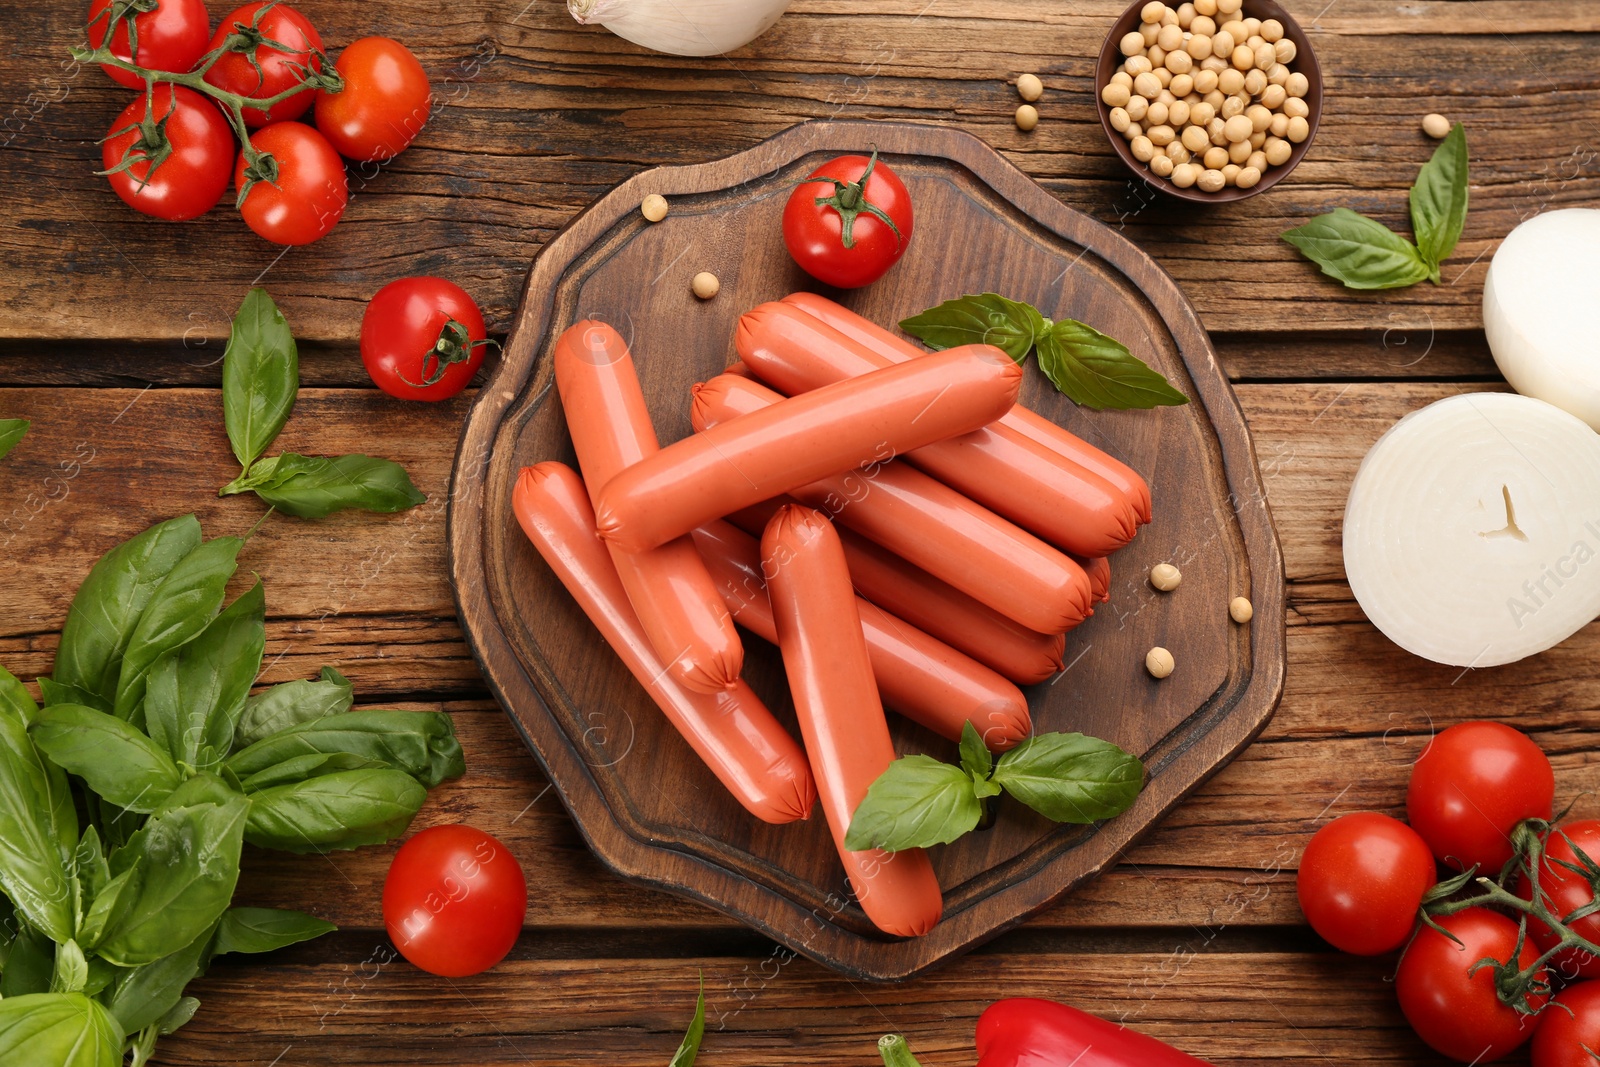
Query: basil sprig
pixel 1365 254
pixel 1092 369
pixel 260 379
pixel 11 431
pixel 919 801
pixel 689 1049
pixel 103 924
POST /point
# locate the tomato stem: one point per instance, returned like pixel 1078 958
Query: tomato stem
pixel 454 345
pixel 849 199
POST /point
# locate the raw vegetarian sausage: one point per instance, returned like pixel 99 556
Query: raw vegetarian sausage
pixel 928 523
pixel 841 720
pixel 669 587
pixel 1026 422
pixel 1000 468
pixel 836 428
pixel 918 676
pixel 732 731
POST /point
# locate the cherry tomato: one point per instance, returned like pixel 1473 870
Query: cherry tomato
pixel 193 177
pixel 171 37
pixel 309 193
pixel 839 228
pixel 1569 1028
pixel 422 339
pixel 1361 881
pixel 1470 786
pixel 453 901
pixel 1459 1014
pixel 280 68
pixel 1566 891
pixel 384 103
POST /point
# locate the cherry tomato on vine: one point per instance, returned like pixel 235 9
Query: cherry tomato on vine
pixel 1451 1007
pixel 191 150
pixel 171 37
pixel 1566 891
pixel 1472 784
pixel 422 338
pixel 1569 1028
pixel 275 69
pixel 453 901
pixel 383 105
pixel 850 225
pixel 1361 881
pixel 305 197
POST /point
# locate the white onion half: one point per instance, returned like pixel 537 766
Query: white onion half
pixel 1540 303
pixel 1432 555
pixel 683 27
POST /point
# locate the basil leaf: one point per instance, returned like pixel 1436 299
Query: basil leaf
pixel 335 811
pixel 15 699
pixel 38 833
pixel 29 965
pixel 11 431
pixel 109 603
pixel 142 995
pixel 178 1016
pixel 421 743
pixel 976 759
pixel 71 972
pixel 311 487
pixel 188 864
pixel 310 765
pixel 115 760
pixel 1071 777
pixel 982 318
pixel 1097 371
pixel 690 1048
pixel 292 703
pixel 55 692
pixel 58 1030
pixel 260 376
pixel 1439 201
pixel 107 907
pixel 89 864
pixel 917 802
pixel 1359 252
pixel 181 607
pixel 266 929
pixel 196 693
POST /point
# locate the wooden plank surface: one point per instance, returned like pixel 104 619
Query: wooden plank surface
pixel 110 335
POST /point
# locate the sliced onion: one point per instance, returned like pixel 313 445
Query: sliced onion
pixel 1539 304
pixel 1472 533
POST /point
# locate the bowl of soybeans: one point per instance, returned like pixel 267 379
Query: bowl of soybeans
pixel 1209 100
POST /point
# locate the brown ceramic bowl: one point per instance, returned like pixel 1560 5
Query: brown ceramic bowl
pixel 1305 62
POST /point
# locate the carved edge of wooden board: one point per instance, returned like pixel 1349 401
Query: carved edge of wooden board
pixel 480 496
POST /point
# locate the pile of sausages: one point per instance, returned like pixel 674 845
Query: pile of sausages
pixel 924 544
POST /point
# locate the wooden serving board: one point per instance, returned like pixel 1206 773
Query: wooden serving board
pixel 644 803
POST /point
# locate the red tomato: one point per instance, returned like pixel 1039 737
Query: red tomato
pixel 838 229
pixel 280 68
pixel 193 177
pixel 1459 1014
pixel 422 339
pixel 1569 1028
pixel 171 37
pixel 1361 881
pixel 309 193
pixel 1469 788
pixel 1565 892
pixel 453 901
pixel 383 105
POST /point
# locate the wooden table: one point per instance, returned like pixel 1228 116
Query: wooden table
pixel 111 333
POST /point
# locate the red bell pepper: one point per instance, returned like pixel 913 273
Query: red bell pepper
pixel 1024 1032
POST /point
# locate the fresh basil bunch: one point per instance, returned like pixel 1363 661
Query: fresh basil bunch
pixel 1365 254
pixel 260 380
pixel 920 801
pixel 1092 369
pixel 11 431
pixel 149 732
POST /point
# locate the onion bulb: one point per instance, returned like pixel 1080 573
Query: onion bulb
pixel 1539 304
pixel 682 27
pixel 1472 533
